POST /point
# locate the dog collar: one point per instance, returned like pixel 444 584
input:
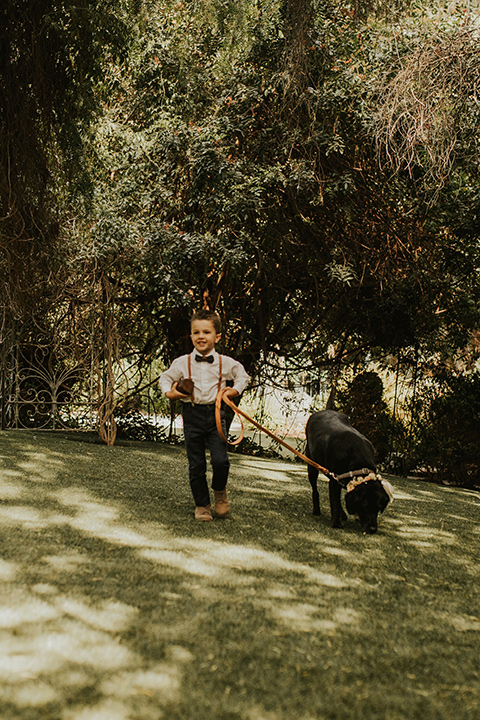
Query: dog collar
pixel 358 480
pixel 371 476
pixel 345 477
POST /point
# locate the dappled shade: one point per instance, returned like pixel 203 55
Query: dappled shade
pixel 116 605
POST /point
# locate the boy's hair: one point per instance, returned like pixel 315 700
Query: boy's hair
pixel 210 315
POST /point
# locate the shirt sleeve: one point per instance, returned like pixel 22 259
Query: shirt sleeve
pixel 239 376
pixel 174 373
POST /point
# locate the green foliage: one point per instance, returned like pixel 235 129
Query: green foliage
pixel 249 156
pixel 133 425
pixel 52 56
pixel 448 430
pixel 362 400
pixel 220 181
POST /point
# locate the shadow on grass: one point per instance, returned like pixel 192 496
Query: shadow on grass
pixel 116 605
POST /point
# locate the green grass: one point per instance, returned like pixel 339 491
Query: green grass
pixel 116 605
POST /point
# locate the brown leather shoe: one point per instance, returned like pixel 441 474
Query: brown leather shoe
pixel 203 513
pixel 222 506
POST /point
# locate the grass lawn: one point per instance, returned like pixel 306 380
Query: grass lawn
pixel 116 605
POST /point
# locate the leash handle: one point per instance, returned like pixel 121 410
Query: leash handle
pixel 221 397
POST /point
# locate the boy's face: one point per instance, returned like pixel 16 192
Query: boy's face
pixel 204 336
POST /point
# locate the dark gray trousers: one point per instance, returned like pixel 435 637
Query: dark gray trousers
pixel 201 432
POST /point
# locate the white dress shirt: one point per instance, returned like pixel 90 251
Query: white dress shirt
pixel 205 376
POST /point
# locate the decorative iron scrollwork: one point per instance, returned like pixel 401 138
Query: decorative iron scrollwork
pixel 40 390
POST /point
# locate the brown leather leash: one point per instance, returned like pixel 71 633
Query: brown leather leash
pixel 222 397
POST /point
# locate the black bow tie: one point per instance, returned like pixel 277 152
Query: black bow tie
pixel 201 358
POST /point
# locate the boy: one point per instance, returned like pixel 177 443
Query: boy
pixel 209 372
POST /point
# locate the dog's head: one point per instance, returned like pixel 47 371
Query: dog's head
pixel 365 500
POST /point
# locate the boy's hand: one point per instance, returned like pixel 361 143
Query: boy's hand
pixel 173 394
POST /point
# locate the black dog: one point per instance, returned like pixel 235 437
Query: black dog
pixel 336 445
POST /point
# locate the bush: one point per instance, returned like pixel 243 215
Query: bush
pixel 449 436
pixel 134 425
pixel 363 402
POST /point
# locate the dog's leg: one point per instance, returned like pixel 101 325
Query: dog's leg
pixel 336 510
pixel 313 477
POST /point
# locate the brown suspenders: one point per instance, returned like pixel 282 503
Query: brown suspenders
pixel 219 372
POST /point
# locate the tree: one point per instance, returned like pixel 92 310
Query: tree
pixel 51 59
pixel 242 166
pixel 250 157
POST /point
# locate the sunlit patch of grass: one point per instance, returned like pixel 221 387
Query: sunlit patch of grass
pixel 115 604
